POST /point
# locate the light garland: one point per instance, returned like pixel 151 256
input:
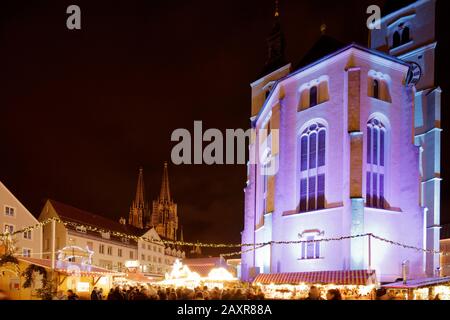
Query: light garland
pixel 215 245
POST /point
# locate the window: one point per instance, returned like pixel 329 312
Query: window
pixel 9 211
pixel 143 246
pixel 9 228
pixel 159 249
pixel 310 248
pixel 142 257
pixel 119 252
pixel 159 260
pixel 131 255
pixel 110 249
pixel 101 248
pixel 149 258
pixel 313 96
pixel 265 182
pixel 378 86
pixel 405 35
pixel 26 252
pixel 27 235
pixel 154 248
pixel 125 240
pixel 376 89
pixel 154 259
pixel 149 247
pixel 396 39
pixel 119 266
pixel 312 168
pixel 375 184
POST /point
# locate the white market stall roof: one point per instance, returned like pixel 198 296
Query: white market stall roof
pixel 417 283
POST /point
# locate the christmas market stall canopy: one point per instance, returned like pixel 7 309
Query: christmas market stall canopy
pixel 354 284
pixel 421 289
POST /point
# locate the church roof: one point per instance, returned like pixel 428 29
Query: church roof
pixel 326 57
pixel 323 47
pixel 391 6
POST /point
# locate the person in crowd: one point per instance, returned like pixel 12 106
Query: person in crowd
pixel 60 295
pixel 314 294
pixel 382 294
pixel 72 295
pixel 100 294
pixel 334 294
pixel 94 294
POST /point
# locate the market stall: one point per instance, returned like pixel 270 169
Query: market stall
pixel 353 284
pixel 182 276
pixel 420 289
pixel 31 275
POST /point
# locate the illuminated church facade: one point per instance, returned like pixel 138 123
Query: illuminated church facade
pixel 348 144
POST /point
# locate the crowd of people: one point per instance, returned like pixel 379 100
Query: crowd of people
pixel 204 293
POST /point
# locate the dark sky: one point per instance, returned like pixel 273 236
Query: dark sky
pixel 80 111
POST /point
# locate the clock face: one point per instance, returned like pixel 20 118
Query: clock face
pixel 415 72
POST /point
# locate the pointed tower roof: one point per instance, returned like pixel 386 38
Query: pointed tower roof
pixel 324 46
pixel 140 195
pixel 165 190
pixel 276 45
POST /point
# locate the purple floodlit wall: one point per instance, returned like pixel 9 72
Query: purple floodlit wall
pixel 346 109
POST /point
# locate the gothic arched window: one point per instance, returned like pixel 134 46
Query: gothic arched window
pixel 376 89
pixel 311 148
pixel 375 173
pixel 396 39
pixel 313 96
pixel 405 35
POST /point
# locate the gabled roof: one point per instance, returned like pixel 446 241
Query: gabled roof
pixel 20 203
pixel 72 214
pixel 327 57
pixel 323 47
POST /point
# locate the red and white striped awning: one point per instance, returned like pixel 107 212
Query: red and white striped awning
pixel 340 277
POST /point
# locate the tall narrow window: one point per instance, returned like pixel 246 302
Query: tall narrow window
pixel 405 35
pixel 375 184
pixel 395 39
pixel 311 157
pixel 310 249
pixel 313 96
pixel 376 89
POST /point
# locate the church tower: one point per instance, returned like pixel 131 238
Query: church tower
pixel 164 214
pixel 139 213
pixel 408 32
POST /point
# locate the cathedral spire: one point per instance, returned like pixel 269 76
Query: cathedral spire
pixel 165 191
pixel 140 188
pixel 139 214
pixel 275 44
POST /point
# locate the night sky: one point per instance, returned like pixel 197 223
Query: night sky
pixel 80 111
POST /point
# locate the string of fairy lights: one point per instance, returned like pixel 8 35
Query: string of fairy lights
pixel 252 246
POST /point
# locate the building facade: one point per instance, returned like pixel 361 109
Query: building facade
pixel 109 250
pixel 410 34
pixel 14 216
pixel 337 152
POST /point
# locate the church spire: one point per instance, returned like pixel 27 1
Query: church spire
pixel 139 214
pixel 165 191
pixel 275 44
pixel 139 200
